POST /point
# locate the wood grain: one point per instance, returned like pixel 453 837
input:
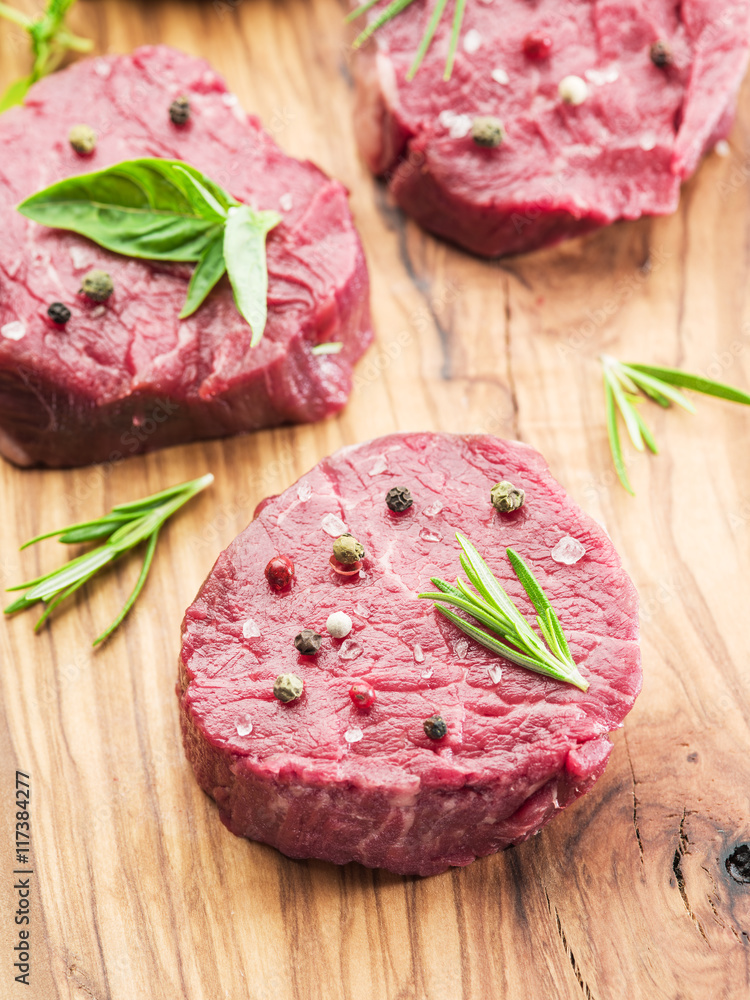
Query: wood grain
pixel 138 890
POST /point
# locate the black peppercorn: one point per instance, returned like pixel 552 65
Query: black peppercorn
pixel 59 313
pixel 435 727
pixel 308 642
pixel 399 499
pixel 179 111
pixel 661 54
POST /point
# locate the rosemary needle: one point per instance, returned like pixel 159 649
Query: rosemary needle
pixel 625 388
pixel 396 7
pixel 126 527
pixel 490 605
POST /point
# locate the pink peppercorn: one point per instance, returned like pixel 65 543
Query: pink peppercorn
pixel 362 694
pixel 280 572
pixel 536 45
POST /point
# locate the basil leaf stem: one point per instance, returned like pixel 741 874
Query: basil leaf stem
pixel 125 527
pixel 510 635
pixel 50 39
pixel 627 385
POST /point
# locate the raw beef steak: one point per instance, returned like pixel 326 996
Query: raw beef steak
pixel 563 168
pixel 129 376
pixel 323 777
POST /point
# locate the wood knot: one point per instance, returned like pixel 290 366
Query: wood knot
pixel 738 863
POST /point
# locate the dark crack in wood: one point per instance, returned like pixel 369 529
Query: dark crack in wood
pixel 635 798
pixel 554 913
pixel 683 849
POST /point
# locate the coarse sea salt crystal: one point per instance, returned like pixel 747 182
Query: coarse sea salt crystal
pixel 472 41
pixel 647 141
pixel 496 674
pixel 461 648
pixel 333 525
pixel 286 202
pixel 380 466
pixel 568 551
pixel 429 536
pixel 418 654
pixel 350 650
pixel 244 727
pixel 722 148
pixel 426 674
pixel 250 629
pixel 458 126
pixel 80 257
pixel 304 492
pixel 500 76
pixel 434 509
pixel 361 610
pixel 353 735
pixel 13 331
pixel 602 76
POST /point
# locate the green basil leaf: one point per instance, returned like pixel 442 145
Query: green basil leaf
pixel 139 208
pixel 210 197
pixel 15 93
pixel 245 257
pixel 209 270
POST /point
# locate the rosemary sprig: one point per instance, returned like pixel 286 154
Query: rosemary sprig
pixel 490 605
pixel 50 39
pixel 125 527
pixel 396 7
pixel 626 386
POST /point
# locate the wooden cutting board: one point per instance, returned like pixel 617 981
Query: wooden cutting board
pixel 138 891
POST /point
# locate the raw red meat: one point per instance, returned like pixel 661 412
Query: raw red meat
pixel 130 376
pixel 323 778
pixel 562 169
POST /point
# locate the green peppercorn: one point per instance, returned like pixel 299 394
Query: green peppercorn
pixel 308 642
pixel 97 286
pixel 83 139
pixel 487 131
pixel 506 497
pixel 348 550
pixel 287 687
pixel 179 111
pixel 661 54
pixel 435 727
pixel 399 499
